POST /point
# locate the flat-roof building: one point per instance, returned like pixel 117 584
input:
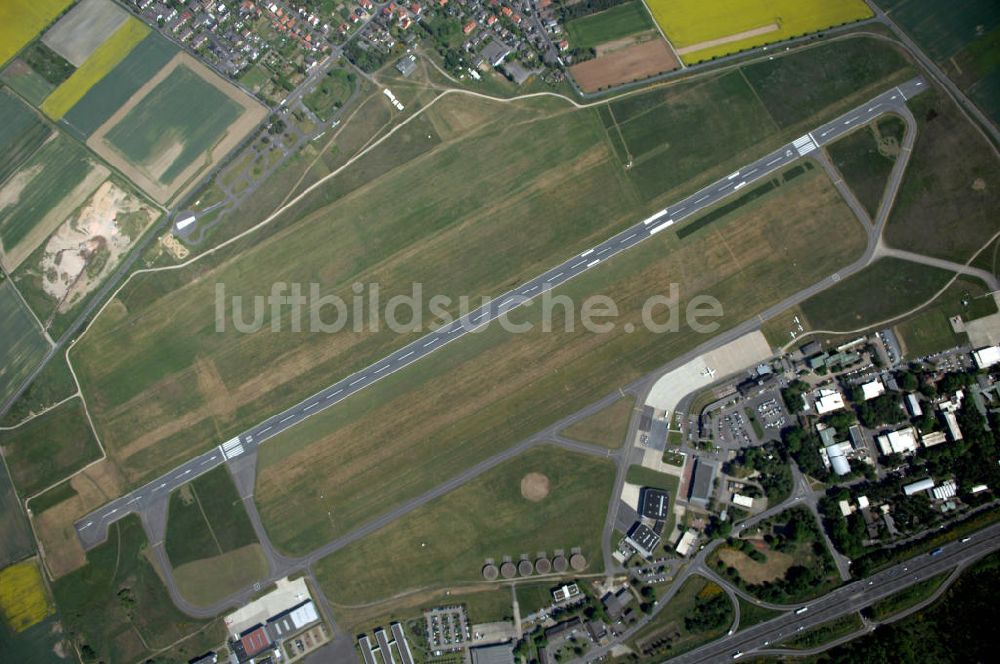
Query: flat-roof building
pixel 686 542
pixel 406 64
pixel 742 501
pixel 903 441
pixel 655 503
pixel 616 603
pixel 565 593
pixel 917 487
pixel 702 482
pixel 502 653
pixel 986 357
pixel 913 405
pixel 828 400
pixel 402 646
pixel 951 421
pixel 643 539
pixel 933 438
pixel 873 389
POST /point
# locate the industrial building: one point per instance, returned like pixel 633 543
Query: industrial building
pixel 655 503
pixel 643 539
pixel 502 653
pixel 702 483
pixel 986 357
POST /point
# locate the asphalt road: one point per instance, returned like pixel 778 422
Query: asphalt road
pixel 92 528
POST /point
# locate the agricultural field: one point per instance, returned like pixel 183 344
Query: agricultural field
pixel 22 20
pixel 17 542
pixel 21 134
pixel 178 123
pixel 23 344
pixel 701 31
pixel 866 157
pixel 24 600
pixel 930 330
pixel 609 25
pixel 946 206
pixel 83 251
pixel 97 65
pixel 494 515
pixel 210 540
pixel 117 607
pixel 616 64
pixel 886 288
pixel 46 189
pixel 607 427
pixel 26 82
pixel 45 450
pixel 114 90
pixel 53 384
pixel 963 40
pixel 82 29
pixel 518 384
pixel 330 93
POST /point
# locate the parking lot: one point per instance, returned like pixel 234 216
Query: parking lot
pixel 743 422
pixel 447 628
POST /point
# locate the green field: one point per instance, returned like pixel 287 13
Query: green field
pixel 21 133
pixel 947 202
pixel 866 157
pixel 886 288
pixel 676 134
pixel 17 542
pixel 330 94
pixel 38 644
pixel 606 428
pixel 182 109
pixel 669 635
pixel 49 448
pixel 904 599
pixel 489 517
pixel 61 164
pixel 210 540
pixel 207 519
pixel 752 614
pixel 117 606
pixel 620 21
pixel 825 632
pixel 930 331
pixel 26 82
pixel 841 74
pixel 963 42
pixel 112 91
pixel 52 385
pixel 793 566
pixel 48 64
pixel 22 345
pixel 501 387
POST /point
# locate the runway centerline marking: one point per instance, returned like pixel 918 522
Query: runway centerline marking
pixel 285 419
pixel 355 382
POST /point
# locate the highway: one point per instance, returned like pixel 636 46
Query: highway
pixel 847 599
pixel 92 528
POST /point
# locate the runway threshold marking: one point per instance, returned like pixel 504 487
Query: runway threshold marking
pixel 593 263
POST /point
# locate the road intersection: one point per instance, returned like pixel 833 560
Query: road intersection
pixel 92 528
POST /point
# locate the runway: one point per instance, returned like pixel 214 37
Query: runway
pixel 92 529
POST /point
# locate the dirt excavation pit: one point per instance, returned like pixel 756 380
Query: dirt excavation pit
pixel 535 487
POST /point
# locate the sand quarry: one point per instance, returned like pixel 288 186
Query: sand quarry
pixel 93 236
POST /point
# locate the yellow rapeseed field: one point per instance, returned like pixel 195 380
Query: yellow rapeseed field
pixel 101 61
pixel 702 30
pixel 21 20
pixel 23 599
